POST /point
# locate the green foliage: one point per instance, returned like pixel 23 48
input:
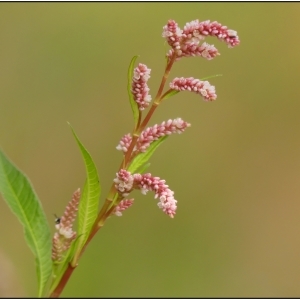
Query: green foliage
pixel 133 104
pixel 212 76
pixel 169 94
pixel 142 158
pixel 88 205
pixel 22 200
pixel 143 168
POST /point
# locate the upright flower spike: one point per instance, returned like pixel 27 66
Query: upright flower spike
pixel 65 235
pixel 140 88
pixel 173 34
pixel 124 143
pixel 152 134
pixel 197 86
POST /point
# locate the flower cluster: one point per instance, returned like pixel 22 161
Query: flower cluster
pixel 191 84
pixel 124 182
pixel 145 183
pixel 123 205
pixel 65 235
pixel 140 88
pixel 152 134
pixel 185 43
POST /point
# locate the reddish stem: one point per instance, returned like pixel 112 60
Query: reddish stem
pixel 59 288
pixel 104 213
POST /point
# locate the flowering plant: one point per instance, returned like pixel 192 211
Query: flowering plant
pixel 57 260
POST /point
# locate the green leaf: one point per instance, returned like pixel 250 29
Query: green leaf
pixel 133 104
pixel 143 157
pixel 169 94
pixel 22 200
pixel 88 205
pixel 212 76
pixel 143 168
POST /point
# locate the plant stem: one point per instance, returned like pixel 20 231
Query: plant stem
pixel 64 279
pixel 106 210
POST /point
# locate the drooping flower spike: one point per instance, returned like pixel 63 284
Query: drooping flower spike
pixel 125 181
pixel 185 42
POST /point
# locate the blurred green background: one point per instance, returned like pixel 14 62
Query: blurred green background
pixel 235 172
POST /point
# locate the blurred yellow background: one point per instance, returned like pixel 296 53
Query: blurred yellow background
pixel 235 172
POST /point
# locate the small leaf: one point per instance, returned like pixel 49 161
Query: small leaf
pixel 143 168
pixel 133 104
pixel 143 157
pixel 23 201
pixel 169 94
pixel 88 205
pixel 212 76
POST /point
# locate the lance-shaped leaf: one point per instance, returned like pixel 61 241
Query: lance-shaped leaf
pixel 169 94
pixel 23 201
pixel 88 205
pixel 143 168
pixel 133 104
pixel 143 157
pixel 212 76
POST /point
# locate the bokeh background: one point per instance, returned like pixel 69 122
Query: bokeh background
pixel 235 172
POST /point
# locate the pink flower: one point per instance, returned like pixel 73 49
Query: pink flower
pixel 139 86
pixel 185 43
pixel 202 88
pixel 195 31
pixel 152 134
pixel 173 35
pixel 125 142
pixel 123 205
pixel 124 182
pixel 204 50
pixel 147 183
pixel 65 235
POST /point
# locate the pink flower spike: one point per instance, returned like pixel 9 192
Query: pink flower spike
pixel 124 182
pixel 147 182
pixel 154 133
pixel 204 50
pixel 197 86
pixel 173 34
pixel 124 143
pixel 194 31
pixel 65 235
pixel 139 86
pixel 68 218
pixel 123 205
